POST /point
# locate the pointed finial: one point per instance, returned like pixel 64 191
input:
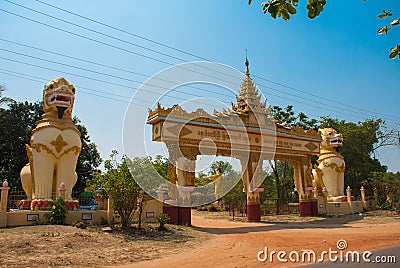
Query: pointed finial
pixel 247 65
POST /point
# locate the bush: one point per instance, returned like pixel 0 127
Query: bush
pixel 58 212
pixel 162 219
pixel 212 208
pixel 384 206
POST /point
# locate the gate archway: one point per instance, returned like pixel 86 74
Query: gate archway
pixel 246 132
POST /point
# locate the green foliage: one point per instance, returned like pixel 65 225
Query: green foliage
pixel 385 14
pixel 315 7
pixel 228 177
pixel 4 100
pixel 58 212
pixel 285 8
pixel 287 116
pixel 235 194
pixel 89 158
pixel 385 186
pixel 212 208
pixel 162 219
pixel 160 164
pixel 394 52
pixel 119 184
pixel 201 181
pixel 18 121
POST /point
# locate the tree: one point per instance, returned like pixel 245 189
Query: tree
pixel 4 100
pixel 224 167
pixel 16 124
pixel 119 184
pixel 286 116
pixel 201 180
pixel 284 8
pixel 386 188
pixel 89 158
pixel 228 174
pixel 236 194
pixel 160 164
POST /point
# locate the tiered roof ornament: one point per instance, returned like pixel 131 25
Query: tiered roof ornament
pixel 248 110
pixel 249 98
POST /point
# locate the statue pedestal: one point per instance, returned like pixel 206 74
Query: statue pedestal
pixel 177 215
pixel 172 212
pixel 305 209
pixel 253 212
pixel 314 207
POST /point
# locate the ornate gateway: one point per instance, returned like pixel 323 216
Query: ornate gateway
pixel 246 132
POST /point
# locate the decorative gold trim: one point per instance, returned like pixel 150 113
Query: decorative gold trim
pixel 58 125
pixel 229 117
pixel 77 150
pixel 335 166
pixel 59 143
pixel 253 198
pixel 39 147
pixel 318 179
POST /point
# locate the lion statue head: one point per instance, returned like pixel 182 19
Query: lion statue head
pixel 331 140
pixel 58 98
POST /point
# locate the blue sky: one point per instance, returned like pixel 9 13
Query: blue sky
pixel 337 56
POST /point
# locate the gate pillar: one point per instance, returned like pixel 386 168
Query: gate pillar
pixel 252 177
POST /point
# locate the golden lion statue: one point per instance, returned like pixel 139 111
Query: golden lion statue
pixel 330 170
pixel 54 149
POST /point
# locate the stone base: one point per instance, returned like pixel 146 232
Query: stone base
pixel 178 215
pixel 314 207
pixel 24 218
pixel 305 209
pixel 172 212
pixel 185 216
pixel 253 212
pixel 341 198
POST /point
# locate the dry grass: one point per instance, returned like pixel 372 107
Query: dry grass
pixel 43 246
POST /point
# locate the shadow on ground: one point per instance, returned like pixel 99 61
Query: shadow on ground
pixel 263 226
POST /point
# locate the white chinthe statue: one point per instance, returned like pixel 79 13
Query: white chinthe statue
pixel 329 173
pixel 53 151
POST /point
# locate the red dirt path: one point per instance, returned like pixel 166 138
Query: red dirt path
pixel 236 244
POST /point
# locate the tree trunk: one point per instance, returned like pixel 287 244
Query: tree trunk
pixel 273 166
pixel 140 206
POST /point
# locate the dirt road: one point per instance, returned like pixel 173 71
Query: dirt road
pixel 236 244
